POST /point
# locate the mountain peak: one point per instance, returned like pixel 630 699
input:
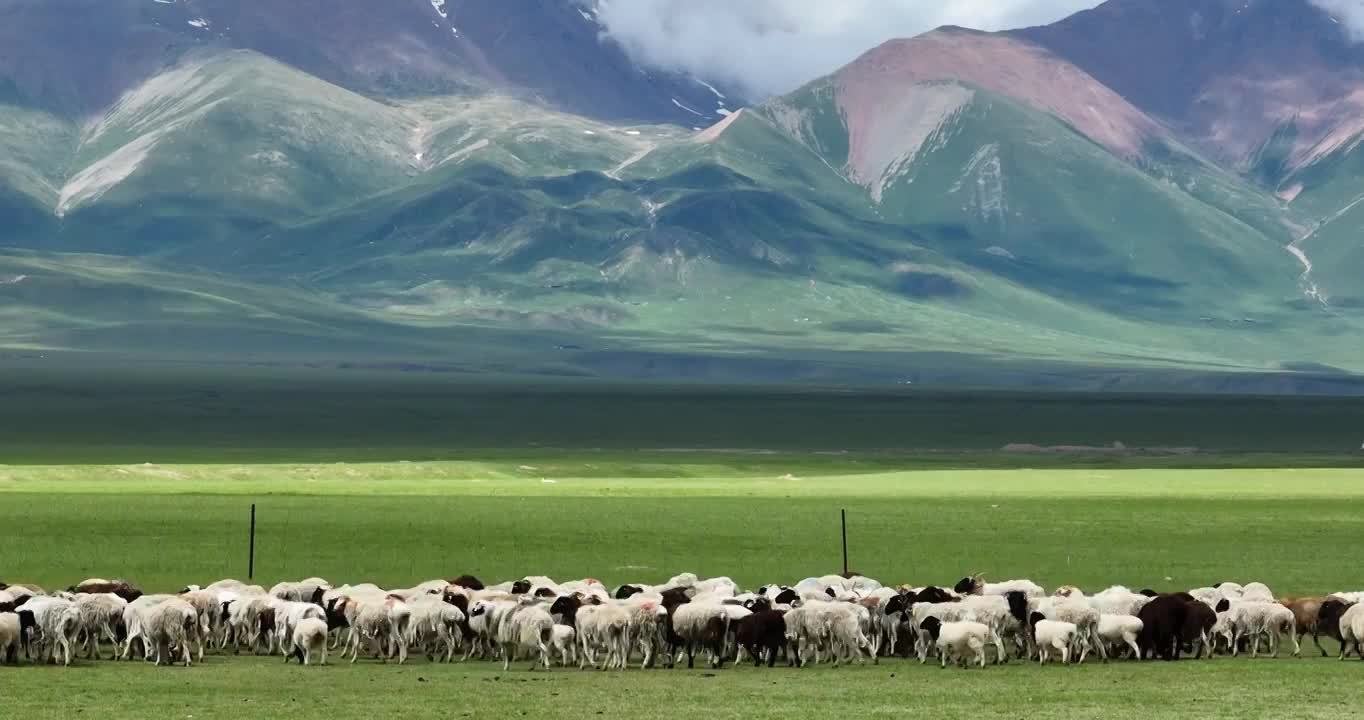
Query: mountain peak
pixel 79 56
pixel 1228 73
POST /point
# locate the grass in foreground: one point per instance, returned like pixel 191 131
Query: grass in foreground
pixel 260 687
pixel 400 523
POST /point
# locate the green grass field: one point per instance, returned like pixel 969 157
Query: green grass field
pixel 396 479
pixel 620 518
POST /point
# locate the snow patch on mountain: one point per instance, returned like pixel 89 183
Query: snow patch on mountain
pixel 97 179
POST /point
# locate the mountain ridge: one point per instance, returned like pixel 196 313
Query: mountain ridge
pixel 959 194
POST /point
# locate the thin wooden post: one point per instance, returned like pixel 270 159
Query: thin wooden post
pixel 844 515
pixel 251 559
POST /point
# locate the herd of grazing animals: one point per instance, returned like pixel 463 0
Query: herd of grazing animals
pixel 841 618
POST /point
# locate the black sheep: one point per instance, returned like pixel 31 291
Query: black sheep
pixel 1198 622
pixel 1163 619
pixel 763 631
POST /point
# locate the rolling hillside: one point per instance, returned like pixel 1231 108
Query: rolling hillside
pixel 956 208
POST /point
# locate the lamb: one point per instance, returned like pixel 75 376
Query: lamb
pixel 309 636
pixel 1121 630
pixel 944 612
pixel 57 621
pixel 1005 615
pixel 1079 613
pixel 288 614
pixel 956 639
pixel 564 640
pixel 11 637
pixel 1051 635
pixel 1352 631
pixel 101 614
pixel 170 624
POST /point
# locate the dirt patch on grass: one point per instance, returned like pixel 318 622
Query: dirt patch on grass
pixel 1116 448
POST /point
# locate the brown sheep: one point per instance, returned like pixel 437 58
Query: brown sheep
pixel 121 588
pixel 1307 613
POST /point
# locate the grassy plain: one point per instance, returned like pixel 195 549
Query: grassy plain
pixel 399 523
pixel 395 483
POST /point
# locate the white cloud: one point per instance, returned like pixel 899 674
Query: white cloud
pixel 773 46
pixel 1348 12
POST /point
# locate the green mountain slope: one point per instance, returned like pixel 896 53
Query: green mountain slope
pixel 235 206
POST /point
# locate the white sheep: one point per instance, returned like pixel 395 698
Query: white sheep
pixel 945 612
pixel 1049 635
pixel 846 637
pixel 976 585
pixel 527 627
pixel 995 612
pixel 288 614
pixel 435 623
pixel 1257 592
pixel 309 636
pixel 647 627
pixel 100 614
pixel 1118 600
pixel 173 623
pixel 134 624
pixel 565 642
pixel 301 591
pixel 11 637
pixel 958 641
pixel 604 627
pixel 244 622
pixel 806 632
pixel 383 623
pixel 1352 631
pixel 1255 620
pixel 1230 590
pixel 1119 630
pixel 1078 613
pixel 59 624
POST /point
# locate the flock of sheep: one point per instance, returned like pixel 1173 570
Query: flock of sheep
pixel 583 623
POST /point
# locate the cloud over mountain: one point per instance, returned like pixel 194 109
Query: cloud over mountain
pixel 773 46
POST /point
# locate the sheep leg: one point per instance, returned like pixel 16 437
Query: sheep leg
pixel 1297 646
pixel 1131 640
pixel 1316 638
pixel 1001 655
